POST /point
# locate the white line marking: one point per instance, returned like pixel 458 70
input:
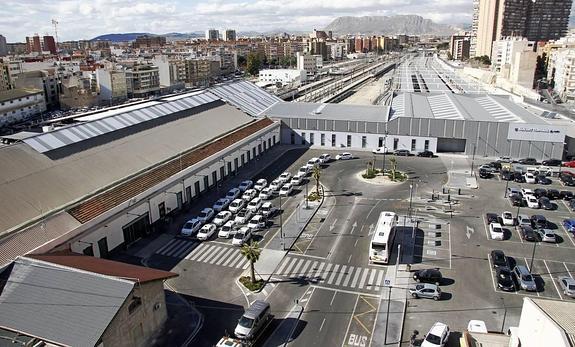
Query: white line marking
pixel 164 247
pixel 348 276
pixel 491 271
pixel 291 267
pixel 353 292
pixel 371 279
pixel 355 244
pixel 449 235
pixel 304 269
pixel 341 274
pixel 230 258
pixel 356 277
pixel 333 274
pixel 217 256
pixel 363 278
pixel 198 251
pixel 379 279
pixel 320 267
pixel 349 259
pixel 332 298
pixel 225 256
pixel 375 321
pixel 349 324
pixel 566 268
pixel 325 273
pixel 208 253
pixel 322 323
pixel 553 280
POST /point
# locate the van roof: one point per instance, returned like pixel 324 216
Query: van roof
pixel 255 309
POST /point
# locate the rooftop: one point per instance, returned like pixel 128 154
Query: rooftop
pixel 17 93
pixel 560 312
pixel 369 113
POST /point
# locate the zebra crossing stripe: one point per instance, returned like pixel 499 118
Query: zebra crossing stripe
pixel 218 256
pixel 356 277
pixel 184 251
pixel 320 267
pixel 341 274
pixel 370 283
pixel 348 277
pixel 173 246
pixel 285 262
pixel 225 256
pixel 212 254
pixel 325 273
pixel 305 268
pixel 200 251
pixel 237 260
pixel 246 265
pixel 164 247
pixel 379 279
pixel 288 269
pixel 333 274
pixel 232 257
pixel 295 270
pixel 363 278
pixel 176 250
pixel 210 251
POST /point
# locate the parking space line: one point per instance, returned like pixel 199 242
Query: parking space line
pixel 566 268
pixel 518 233
pixel 491 271
pixel 552 279
pixel 528 268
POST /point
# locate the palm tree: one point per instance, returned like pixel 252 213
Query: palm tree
pixel 316 174
pixel 252 253
pixel 393 162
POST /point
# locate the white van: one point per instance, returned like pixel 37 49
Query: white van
pixel 256 317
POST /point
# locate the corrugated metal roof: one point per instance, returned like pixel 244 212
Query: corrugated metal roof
pixel 60 304
pixel 369 113
pixel 100 124
pixel 246 96
pixel 561 312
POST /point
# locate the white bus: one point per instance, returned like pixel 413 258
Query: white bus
pixel 382 241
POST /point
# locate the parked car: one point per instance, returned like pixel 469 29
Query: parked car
pixel 571 205
pixel 221 218
pixel 553 194
pixel 514 191
pixel 546 235
pixel 504 159
pixel 538 221
pixel 437 336
pixel 499 259
pixel 566 195
pixel 425 154
pixel 507 218
pixel 516 200
pixel 344 156
pixel 275 185
pixel 492 218
pixel 569 225
pixel 402 152
pixel 528 234
pixel 245 185
pixel 206 215
pixel 268 210
pixel 304 170
pixel 233 194
pixel 425 290
pixel 206 231
pixel 484 173
pixel 261 184
pixel 545 203
pixel 567 179
pixel 539 192
pixel 518 177
pixel 237 205
pixel 313 162
pixel 505 279
pixel 227 230
pixel 524 278
pixel 523 219
pixel 221 204
pixel 551 162
pixel 496 231
pixel 258 222
pixel 528 161
pixel 191 227
pixel 286 189
pixel 496 165
pixel 542 179
pixel 285 177
pixel 567 285
pixel 380 150
pixel 255 204
pixel 297 180
pixel 529 178
pixel 532 201
pixel 249 195
pixel 324 158
pixel 243 216
pixel 428 276
pixel 569 163
pixel 266 194
pixel 242 236
pixel 506 175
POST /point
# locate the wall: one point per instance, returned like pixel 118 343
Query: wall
pixel 137 328
pixel 110 224
pixel 537 329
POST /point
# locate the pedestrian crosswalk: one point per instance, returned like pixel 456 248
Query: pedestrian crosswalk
pixel 330 274
pixel 177 248
pixel 217 254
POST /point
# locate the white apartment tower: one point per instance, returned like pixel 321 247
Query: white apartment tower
pixel 230 35
pixel 212 35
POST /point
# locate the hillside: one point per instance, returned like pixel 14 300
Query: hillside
pixel 392 25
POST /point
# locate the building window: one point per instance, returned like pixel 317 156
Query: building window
pixel 162 209
pixel 136 302
pixel 426 145
pixel 380 142
pixel 348 140
pixel 363 141
pixel 303 138
pixel 413 143
pixel 274 139
pixel 333 140
pixel 292 138
pixel 395 143
pixel 311 139
pixel 322 139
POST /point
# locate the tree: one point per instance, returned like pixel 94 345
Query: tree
pixel 252 253
pixel 242 61
pixel 253 64
pixel 316 174
pixel 393 161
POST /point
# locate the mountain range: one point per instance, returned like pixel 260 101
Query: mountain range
pixel 389 25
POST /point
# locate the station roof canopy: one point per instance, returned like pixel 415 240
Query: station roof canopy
pixel 368 113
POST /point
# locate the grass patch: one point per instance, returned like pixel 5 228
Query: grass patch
pixel 399 176
pixel 247 282
pixel 371 173
pixel 313 196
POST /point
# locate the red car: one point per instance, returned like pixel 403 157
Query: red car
pixel 569 163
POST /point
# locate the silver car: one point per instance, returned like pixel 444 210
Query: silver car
pixel 425 290
pixel 525 279
pixel 568 285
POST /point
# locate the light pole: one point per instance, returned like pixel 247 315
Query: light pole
pixel 306 194
pixel 506 186
pixel 472 160
pixel 410 199
pixel 518 208
pixel 504 314
pixel 387 314
pixel 532 256
pixel 281 225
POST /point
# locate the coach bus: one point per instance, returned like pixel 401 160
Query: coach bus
pixel 382 241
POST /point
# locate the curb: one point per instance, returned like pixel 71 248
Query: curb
pixel 402 323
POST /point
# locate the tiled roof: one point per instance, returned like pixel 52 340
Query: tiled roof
pixel 130 272
pixel 109 199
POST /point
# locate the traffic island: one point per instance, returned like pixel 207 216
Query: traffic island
pixel 252 286
pixel 376 176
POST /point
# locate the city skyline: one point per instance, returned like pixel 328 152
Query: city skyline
pixel 86 20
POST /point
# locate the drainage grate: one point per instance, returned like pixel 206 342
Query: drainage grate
pixel 322 220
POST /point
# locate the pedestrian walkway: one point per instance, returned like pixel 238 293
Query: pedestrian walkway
pixel 347 277
pixel 177 248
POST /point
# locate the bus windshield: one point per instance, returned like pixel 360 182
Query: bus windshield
pixel 378 247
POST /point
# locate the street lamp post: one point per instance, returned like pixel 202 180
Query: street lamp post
pixel 472 160
pixel 532 256
pixel 410 199
pixel 387 314
pixel 504 314
pixel 306 194
pixel 281 224
pixel 506 186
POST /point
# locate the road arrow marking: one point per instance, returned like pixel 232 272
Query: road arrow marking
pixel 371 231
pixel 332 226
pixel 469 232
pixel 353 227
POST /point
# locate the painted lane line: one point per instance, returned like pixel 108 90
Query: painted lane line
pixel 172 247
pixel 566 268
pixel 352 292
pixel 186 251
pixel 553 280
pixel 332 298
pixel 322 323
pixel 349 324
pixel 491 272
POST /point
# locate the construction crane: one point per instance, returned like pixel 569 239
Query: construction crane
pixel 55 24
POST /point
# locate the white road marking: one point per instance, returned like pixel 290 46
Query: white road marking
pixel 371 279
pixel 348 276
pixel 341 274
pixel 322 323
pixel 356 277
pixel 321 266
pixel 363 278
pixel 569 272
pixel 325 273
pixel 332 298
pixel 349 259
pixel 553 280
pixel 333 274
pixel 491 271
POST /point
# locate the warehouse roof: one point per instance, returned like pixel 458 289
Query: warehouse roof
pixel 369 113
pixel 246 96
pixel 477 107
pixel 561 312
pixel 60 304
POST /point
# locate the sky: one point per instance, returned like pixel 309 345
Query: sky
pixel 86 19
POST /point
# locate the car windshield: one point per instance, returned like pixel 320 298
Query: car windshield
pixel 226 228
pixel 188 225
pixel 203 214
pixel 527 278
pixel 239 235
pixel 378 248
pixel 572 287
pixel 436 340
pixel 497 230
pixel 246 322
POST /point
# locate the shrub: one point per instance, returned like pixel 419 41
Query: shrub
pixel 255 286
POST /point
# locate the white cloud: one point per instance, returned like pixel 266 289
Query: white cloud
pixel 85 19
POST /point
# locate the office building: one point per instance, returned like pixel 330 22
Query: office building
pixel 212 35
pixel 142 81
pixel 459 47
pixel 230 35
pixel 3 47
pixel 540 20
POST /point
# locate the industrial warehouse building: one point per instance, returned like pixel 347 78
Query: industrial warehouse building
pixel 105 180
pixel 472 124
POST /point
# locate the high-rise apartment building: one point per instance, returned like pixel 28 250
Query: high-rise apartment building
pixel 230 35
pixel 37 44
pixel 561 70
pixel 3 47
pixel 212 35
pixel 474 26
pixel 540 20
pixel 142 81
pixel 459 47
